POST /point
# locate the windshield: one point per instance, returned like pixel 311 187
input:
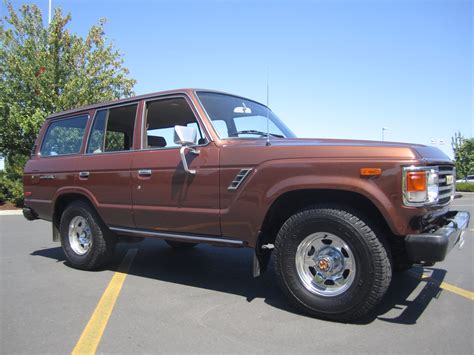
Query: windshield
pixel 234 117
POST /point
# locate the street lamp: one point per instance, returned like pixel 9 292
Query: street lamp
pixel 49 12
pixel 383 133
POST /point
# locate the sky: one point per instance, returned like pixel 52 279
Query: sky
pixel 335 69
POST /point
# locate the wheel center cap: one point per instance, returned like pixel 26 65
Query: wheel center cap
pixel 324 264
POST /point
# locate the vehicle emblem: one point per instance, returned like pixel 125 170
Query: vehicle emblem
pixel 449 179
pixel 324 264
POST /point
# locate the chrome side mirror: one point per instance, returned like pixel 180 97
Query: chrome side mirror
pixel 186 137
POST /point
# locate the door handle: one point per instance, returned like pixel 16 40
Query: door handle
pixel 144 172
pixel 84 174
pixel 46 177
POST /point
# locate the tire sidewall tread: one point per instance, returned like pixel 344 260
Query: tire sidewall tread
pixel 373 267
pixel 102 242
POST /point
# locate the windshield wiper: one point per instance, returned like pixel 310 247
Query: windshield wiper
pixel 260 133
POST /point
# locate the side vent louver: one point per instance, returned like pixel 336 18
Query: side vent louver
pixel 239 178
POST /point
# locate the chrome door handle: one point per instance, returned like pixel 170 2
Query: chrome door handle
pixel 46 177
pixel 144 172
pixel 84 174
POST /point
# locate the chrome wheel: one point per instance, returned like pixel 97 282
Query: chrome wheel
pixel 80 235
pixel 325 264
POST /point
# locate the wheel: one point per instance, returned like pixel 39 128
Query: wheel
pixel 180 245
pixel 85 239
pixel 330 264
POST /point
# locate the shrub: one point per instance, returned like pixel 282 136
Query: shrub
pixel 11 190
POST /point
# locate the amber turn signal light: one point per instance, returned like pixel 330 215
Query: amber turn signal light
pixel 370 171
pixel 416 181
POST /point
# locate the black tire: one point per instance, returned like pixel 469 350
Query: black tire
pixel 102 241
pixel 180 245
pixel 371 277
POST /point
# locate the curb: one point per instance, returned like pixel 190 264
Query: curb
pixel 11 213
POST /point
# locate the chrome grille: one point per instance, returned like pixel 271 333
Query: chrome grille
pixel 446 191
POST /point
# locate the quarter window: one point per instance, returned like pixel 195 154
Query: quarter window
pixel 64 136
pixel 113 130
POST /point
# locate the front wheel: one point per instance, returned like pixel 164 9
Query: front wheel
pixel 331 264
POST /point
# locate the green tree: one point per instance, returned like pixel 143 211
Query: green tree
pixel 46 69
pixel 463 154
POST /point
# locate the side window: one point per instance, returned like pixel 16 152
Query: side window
pixel 162 116
pixel 64 136
pixel 113 130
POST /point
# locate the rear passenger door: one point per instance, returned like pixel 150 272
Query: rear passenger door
pixel 165 197
pixel 105 171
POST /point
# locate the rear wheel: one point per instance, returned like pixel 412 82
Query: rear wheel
pixel 331 264
pixel 180 245
pixel 86 241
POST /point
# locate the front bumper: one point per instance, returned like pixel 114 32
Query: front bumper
pixel 428 248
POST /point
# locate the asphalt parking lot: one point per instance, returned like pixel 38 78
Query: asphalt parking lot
pixel 206 301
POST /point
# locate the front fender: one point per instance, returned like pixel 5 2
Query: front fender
pixel 244 210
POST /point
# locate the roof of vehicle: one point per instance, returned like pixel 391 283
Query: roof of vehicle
pixel 188 91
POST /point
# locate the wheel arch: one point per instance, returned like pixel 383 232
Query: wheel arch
pixel 292 201
pixel 61 202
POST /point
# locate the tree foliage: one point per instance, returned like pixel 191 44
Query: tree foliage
pixel 46 69
pixel 463 154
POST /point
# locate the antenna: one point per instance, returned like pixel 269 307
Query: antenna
pixel 268 109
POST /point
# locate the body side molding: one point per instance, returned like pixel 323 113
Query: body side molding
pixel 178 236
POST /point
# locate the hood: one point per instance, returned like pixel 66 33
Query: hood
pixel 365 148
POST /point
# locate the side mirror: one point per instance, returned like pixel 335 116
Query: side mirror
pixel 185 136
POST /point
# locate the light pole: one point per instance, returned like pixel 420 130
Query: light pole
pixel 49 12
pixel 383 133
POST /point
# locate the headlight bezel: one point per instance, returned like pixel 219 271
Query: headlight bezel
pixel 428 196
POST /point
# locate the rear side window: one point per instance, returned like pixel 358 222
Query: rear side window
pixel 113 130
pixel 64 136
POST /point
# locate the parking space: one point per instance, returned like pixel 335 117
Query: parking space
pixel 206 301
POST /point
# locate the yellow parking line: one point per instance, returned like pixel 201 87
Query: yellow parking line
pixel 454 289
pixel 92 333
pixel 445 286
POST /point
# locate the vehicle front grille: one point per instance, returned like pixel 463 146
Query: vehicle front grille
pixel 446 191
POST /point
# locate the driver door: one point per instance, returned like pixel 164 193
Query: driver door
pixel 165 197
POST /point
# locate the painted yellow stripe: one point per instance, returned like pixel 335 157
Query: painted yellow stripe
pixel 92 333
pixel 454 289
pixel 445 286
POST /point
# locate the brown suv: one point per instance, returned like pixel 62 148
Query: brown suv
pixel 198 166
